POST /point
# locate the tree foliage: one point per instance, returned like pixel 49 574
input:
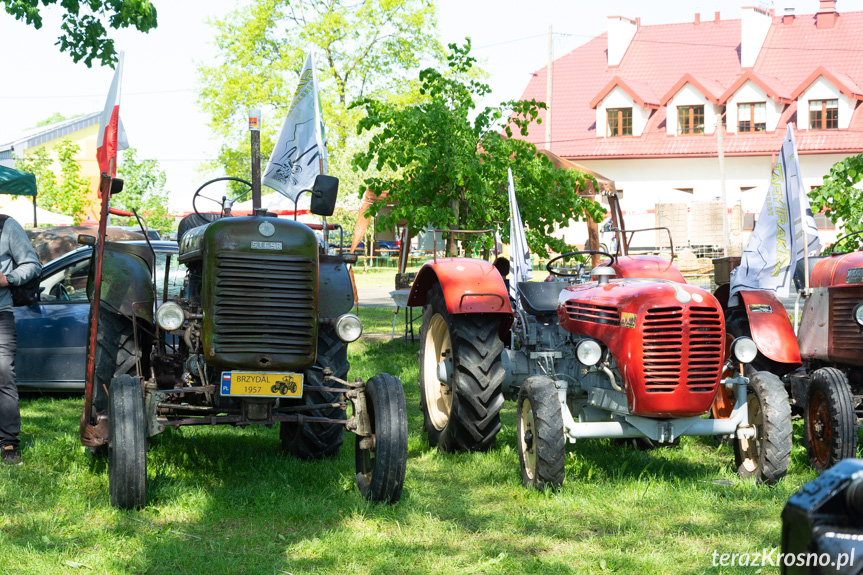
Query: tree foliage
pixel 143 191
pixel 83 34
pixel 363 47
pixel 450 172
pixel 66 194
pixel 840 198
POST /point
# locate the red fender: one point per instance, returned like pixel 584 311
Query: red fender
pixel 771 327
pixel 469 286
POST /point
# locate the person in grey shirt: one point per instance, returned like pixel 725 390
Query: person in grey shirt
pixel 18 264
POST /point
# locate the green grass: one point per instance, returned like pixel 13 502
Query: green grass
pixel 224 500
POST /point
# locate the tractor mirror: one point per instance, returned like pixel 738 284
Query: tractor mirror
pixel 324 194
pixel 116 186
pixel 86 240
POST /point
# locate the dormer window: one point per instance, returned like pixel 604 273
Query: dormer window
pixel 619 122
pixel 752 117
pixel 823 114
pixel 690 120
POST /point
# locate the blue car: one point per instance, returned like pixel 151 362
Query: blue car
pixel 52 334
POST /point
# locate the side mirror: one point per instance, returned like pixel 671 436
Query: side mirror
pixel 116 186
pixel 86 240
pixel 324 193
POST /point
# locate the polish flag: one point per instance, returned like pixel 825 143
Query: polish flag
pixel 112 136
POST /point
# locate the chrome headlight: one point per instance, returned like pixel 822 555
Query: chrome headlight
pixel 588 352
pixel 170 316
pixel 858 314
pixel 744 350
pixel 349 327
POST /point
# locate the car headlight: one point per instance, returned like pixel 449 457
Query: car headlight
pixel 588 352
pixel 858 314
pixel 170 316
pixel 349 328
pixel 744 350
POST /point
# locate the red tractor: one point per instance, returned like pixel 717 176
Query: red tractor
pixel 623 350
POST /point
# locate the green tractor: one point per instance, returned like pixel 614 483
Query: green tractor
pixel 257 336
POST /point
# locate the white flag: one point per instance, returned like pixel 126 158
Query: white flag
pixel 301 152
pixel 785 230
pixel 519 254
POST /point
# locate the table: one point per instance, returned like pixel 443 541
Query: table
pixel 400 298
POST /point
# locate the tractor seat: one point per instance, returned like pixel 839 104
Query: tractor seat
pixel 799 271
pixel 540 298
pixel 192 221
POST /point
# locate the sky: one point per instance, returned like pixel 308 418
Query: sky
pixel 160 83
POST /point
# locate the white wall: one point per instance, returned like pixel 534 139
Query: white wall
pixel 754 25
pixel 688 95
pixel 617 98
pixel 620 33
pixel 822 89
pixel 750 93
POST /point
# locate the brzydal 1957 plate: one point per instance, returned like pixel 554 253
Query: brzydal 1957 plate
pixel 256 384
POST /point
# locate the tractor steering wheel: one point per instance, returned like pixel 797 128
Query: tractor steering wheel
pixel 222 201
pixel 556 271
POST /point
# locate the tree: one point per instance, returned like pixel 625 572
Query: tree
pixel 840 198
pixel 450 172
pixel 66 194
pixel 363 47
pixel 143 191
pixel 83 34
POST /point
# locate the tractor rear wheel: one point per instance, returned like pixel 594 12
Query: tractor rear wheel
pixel 319 440
pixel 767 455
pixel 539 427
pixel 127 444
pixel 831 424
pixel 381 468
pixel 463 413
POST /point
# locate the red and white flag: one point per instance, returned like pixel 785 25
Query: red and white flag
pixel 112 136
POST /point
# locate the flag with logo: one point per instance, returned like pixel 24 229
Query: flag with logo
pixel 784 233
pixel 112 136
pixel 300 153
pixel 519 254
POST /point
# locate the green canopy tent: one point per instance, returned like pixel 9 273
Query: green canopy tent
pixel 18 183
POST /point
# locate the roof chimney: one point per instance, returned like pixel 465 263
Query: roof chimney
pixel 788 18
pixel 620 33
pixel 716 17
pixel 827 14
pixel 697 18
pixel 754 25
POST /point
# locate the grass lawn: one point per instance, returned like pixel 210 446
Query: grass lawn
pixel 226 501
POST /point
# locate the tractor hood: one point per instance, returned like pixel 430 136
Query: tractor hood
pixel 666 338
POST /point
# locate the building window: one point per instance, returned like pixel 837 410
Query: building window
pixel 823 114
pixel 752 117
pixel 619 122
pixel 690 120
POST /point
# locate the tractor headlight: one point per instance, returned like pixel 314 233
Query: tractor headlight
pixel 588 352
pixel 858 314
pixel 170 316
pixel 349 328
pixel 744 350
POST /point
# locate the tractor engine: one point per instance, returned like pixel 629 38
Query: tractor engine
pixel 252 294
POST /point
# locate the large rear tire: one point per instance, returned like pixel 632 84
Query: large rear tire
pixel 765 457
pixel 127 444
pixel 381 470
pixel 831 424
pixel 464 413
pixel 319 440
pixel 539 427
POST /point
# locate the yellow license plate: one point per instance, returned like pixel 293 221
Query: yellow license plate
pixel 256 384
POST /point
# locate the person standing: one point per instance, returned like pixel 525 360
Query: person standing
pixel 18 265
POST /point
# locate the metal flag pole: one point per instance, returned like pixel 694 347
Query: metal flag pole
pixel 255 129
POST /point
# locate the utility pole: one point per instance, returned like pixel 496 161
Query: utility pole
pixel 548 93
pixel 725 237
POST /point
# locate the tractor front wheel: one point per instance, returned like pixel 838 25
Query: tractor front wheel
pixel 462 411
pixel 539 427
pixel 127 443
pixel 767 455
pixel 831 424
pixel 381 466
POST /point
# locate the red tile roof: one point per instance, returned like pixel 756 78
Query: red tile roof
pixel 660 56
pixel 771 86
pixel 710 89
pixel 638 91
pixel 845 84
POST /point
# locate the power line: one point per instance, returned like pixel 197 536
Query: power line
pixel 102 95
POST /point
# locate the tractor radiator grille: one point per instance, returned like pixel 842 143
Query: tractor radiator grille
pixel 846 341
pixel 673 356
pixel 264 304
pixel 603 314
